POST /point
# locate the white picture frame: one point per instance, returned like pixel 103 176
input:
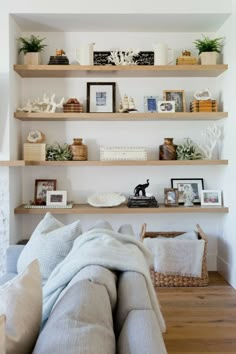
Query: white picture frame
pixel 166 106
pixel 211 197
pixel 56 198
pixel 150 104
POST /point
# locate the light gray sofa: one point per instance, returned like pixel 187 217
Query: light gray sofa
pixel 83 322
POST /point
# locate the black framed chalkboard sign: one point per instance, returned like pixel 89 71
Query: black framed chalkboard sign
pixel 143 58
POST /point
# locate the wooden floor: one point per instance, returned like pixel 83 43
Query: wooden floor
pixel 200 320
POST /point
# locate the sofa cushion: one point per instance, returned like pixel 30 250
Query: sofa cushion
pixel 2 334
pixel 81 322
pixel 21 303
pixel 50 242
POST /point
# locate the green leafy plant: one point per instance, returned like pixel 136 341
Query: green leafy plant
pixel 32 44
pixel 188 151
pixel 208 45
pixel 57 152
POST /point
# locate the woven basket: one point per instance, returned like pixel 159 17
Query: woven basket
pixel 165 280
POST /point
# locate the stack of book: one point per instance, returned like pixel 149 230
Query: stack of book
pixel 186 60
pixel 204 106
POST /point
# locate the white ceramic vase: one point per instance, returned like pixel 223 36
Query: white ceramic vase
pixel 209 58
pixel 32 59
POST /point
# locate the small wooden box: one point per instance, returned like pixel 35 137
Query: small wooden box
pixel 123 153
pixel 34 152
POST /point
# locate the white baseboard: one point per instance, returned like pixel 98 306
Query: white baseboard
pixel 226 271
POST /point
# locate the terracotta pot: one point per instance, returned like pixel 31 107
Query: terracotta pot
pixel 32 59
pixel 209 58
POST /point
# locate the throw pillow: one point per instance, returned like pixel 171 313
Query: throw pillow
pixel 2 334
pixel 21 302
pixel 50 243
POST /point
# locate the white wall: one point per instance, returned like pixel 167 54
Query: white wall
pixel 81 182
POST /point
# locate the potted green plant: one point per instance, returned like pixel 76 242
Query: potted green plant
pixel 209 49
pixel 31 47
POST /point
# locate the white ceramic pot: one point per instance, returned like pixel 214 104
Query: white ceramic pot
pixel 209 58
pixel 32 59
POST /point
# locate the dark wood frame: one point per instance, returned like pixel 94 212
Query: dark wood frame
pixel 169 203
pixel 113 86
pixel 190 181
pixel 179 92
pixel 38 186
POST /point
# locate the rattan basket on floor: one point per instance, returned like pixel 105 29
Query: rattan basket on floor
pixel 165 280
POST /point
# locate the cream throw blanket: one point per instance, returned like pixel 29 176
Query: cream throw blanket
pixel 105 248
pixel 173 256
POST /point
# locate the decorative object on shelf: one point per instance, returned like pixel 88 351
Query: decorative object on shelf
pixel 209 49
pixel 186 59
pixel 178 96
pixel 203 95
pixel 127 105
pixel 142 58
pixel 196 184
pixel 56 198
pixel 204 106
pixel 150 104
pixel 212 136
pixel 84 54
pixel 142 200
pixel 188 195
pixel 161 54
pixel 123 153
pixel 31 47
pixel 41 188
pixel 166 106
pixel 58 152
pixel 101 97
pixel 59 59
pixel 72 105
pixel 189 151
pixel 171 197
pixel 35 136
pixel 79 150
pixel 31 205
pixel 46 104
pixel 167 151
pixel 127 57
pixel 106 200
pixel 211 197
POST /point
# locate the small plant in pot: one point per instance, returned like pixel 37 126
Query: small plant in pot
pixel 209 49
pixel 31 47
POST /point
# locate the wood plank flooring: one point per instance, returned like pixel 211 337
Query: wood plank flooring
pixel 200 320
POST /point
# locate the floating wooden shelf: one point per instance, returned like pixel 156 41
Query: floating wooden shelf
pixel 139 116
pixel 115 163
pixel 123 209
pixel 120 71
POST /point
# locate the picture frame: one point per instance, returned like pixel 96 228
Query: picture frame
pixel 171 196
pixel 178 96
pixel 150 104
pixel 197 185
pixel 56 198
pixel 211 197
pixel 166 106
pixel 41 188
pixel 101 97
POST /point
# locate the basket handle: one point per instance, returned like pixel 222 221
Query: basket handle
pixel 143 231
pixel 201 233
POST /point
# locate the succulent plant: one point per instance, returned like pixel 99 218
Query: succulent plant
pixel 57 152
pixel 188 151
pixel 208 45
pixel 32 44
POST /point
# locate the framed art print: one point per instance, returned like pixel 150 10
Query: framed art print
pixel 101 97
pixel 196 185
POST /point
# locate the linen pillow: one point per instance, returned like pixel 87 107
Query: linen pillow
pixel 50 242
pixel 21 302
pixel 2 334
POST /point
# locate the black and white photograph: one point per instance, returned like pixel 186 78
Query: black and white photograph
pixel 178 96
pixel 101 97
pixel 196 185
pixel 56 198
pixel 166 106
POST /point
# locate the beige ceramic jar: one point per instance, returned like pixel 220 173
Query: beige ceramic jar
pixel 79 150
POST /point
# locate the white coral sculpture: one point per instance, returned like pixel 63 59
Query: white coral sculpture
pixel 119 57
pixel 46 104
pixel 212 136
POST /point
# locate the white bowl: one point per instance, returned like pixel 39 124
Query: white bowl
pixel 106 199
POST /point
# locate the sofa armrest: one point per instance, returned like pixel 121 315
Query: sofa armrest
pixel 12 256
pixel 141 334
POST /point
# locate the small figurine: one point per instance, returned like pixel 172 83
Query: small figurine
pixel 186 53
pixel 127 105
pixel 188 195
pixel 141 188
pixel 60 52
